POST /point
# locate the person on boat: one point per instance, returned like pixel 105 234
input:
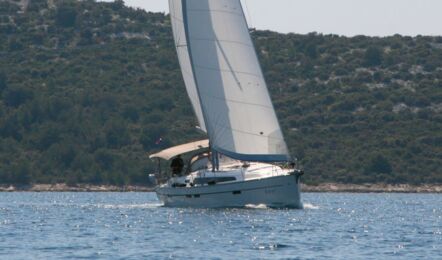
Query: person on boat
pixel 215 161
pixel 177 165
pixel 292 164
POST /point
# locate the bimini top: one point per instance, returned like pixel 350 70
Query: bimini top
pixel 181 149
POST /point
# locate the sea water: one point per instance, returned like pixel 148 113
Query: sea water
pixel 136 226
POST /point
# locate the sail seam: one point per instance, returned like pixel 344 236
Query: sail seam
pixel 224 70
pixel 249 133
pixel 235 101
pixel 227 41
pixel 215 11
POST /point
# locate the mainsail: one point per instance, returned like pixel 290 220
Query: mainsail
pixel 224 80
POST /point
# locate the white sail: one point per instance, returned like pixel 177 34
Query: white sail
pixel 238 113
pixel 176 16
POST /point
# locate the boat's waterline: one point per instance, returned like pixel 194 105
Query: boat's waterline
pixel 275 192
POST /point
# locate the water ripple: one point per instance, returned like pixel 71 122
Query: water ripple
pixel 309 206
pixel 137 226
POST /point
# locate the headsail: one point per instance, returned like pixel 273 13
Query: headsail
pixel 235 103
pixel 176 16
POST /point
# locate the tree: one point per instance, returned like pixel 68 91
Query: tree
pixel 66 16
pixel 16 97
pixel 117 5
pixel 20 172
pixel 3 81
pixel 15 44
pixel 104 158
pixel 311 51
pixel 373 56
pixel 379 164
pixel 116 134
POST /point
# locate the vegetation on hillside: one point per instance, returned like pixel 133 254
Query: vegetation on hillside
pixel 88 89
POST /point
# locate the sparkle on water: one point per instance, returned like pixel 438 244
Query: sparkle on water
pixel 136 226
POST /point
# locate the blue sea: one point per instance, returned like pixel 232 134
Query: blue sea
pixel 136 226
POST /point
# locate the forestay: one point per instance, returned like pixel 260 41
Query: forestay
pixel 227 78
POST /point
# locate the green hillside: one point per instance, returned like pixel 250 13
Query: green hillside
pixel 87 89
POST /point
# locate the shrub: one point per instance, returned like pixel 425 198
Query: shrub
pixel 379 164
pixel 373 56
pixel 66 16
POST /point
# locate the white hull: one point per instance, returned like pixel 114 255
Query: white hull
pixel 276 192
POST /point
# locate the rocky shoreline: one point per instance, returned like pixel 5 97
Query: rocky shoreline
pixel 62 187
pixel 325 187
pixel 373 188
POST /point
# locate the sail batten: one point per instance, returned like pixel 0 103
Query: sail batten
pixel 227 80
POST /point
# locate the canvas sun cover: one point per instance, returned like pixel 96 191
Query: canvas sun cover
pixel 181 149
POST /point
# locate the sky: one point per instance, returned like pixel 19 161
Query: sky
pixel 342 17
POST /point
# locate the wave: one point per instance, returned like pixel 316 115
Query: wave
pixel 125 206
pixel 309 206
pixel 271 246
pixel 259 206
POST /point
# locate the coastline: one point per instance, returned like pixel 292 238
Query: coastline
pixel 62 187
pixel 320 188
pixel 373 188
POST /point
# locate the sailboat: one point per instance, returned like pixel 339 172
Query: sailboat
pixel 245 160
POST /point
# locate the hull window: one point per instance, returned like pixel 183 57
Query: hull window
pixel 213 180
